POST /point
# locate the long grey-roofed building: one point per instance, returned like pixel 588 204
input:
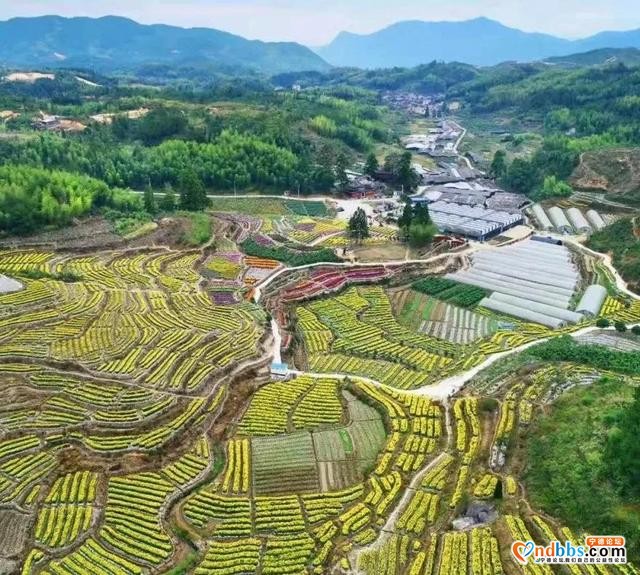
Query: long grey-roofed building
pixel 595 220
pixel 541 217
pixel 578 221
pixel 559 220
pixel 473 221
pixel 592 300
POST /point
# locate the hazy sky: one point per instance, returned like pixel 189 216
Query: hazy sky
pixel 316 22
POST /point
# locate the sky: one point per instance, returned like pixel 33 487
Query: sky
pixel 316 22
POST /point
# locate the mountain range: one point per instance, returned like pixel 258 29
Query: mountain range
pixel 481 42
pixel 115 43
pixel 112 44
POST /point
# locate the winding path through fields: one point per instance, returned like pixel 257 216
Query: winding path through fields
pixel 447 387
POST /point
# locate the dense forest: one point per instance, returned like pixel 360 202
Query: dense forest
pixel 276 142
pixel 32 198
pixel 246 134
pixel 583 460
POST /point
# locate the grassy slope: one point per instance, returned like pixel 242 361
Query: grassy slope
pixel 566 475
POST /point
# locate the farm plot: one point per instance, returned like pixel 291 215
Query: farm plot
pixel 307 230
pixel 619 342
pixel 378 235
pixel 331 456
pixel 284 463
pixel 344 454
pixel 366 338
pixel 127 317
pixel 304 521
pixel 267 206
pixel 476 472
pixel 14 532
pixel 301 403
pixel 131 527
pixel 439 319
pixel 68 510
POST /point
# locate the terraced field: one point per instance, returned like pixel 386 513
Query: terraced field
pixel 142 432
pixel 128 360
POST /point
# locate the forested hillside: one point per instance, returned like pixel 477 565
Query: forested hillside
pixel 32 198
pixel 116 44
pixel 182 139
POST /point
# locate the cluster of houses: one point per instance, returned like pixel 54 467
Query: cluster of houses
pixel 415 104
pixel 440 142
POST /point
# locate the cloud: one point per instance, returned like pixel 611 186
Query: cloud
pixel 316 22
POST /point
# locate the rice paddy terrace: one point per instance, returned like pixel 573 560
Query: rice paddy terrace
pixel 142 432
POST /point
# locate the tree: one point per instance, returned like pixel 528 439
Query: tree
pixel 635 330
pixel 403 173
pixel 371 166
pixel 407 177
pixel 342 180
pixel 149 200
pixel 193 196
pixel 404 221
pixel 168 201
pixel 620 326
pixel 359 225
pixel 498 165
pixel 420 234
pixel 323 173
pixel 421 214
pixel 553 188
pixel 521 176
pixel 603 322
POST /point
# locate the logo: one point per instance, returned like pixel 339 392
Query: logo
pixel 522 550
pixel 596 549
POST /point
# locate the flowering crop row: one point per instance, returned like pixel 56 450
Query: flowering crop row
pixel 453 557
pixel 486 487
pixel 231 557
pixel 485 555
pixel 236 478
pixel 421 511
pixel 268 412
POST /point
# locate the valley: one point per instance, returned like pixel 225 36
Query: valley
pixel 331 321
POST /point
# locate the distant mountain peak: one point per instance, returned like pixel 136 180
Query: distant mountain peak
pixel 109 43
pixel 481 41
